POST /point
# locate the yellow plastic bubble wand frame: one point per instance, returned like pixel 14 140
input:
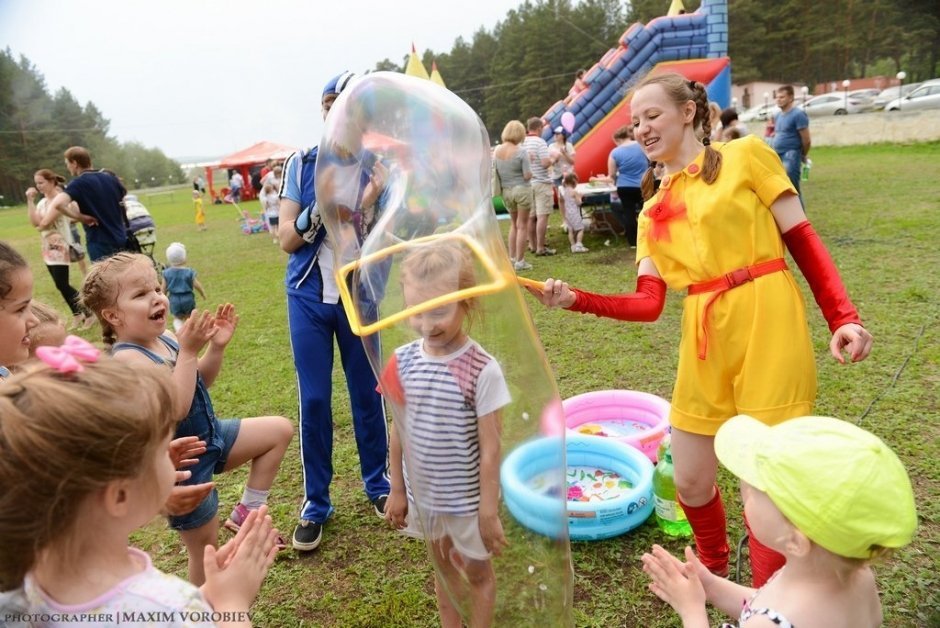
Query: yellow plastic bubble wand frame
pixel 498 281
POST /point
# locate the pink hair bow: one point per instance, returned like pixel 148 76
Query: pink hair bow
pixel 68 357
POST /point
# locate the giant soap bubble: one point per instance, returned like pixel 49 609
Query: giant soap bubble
pixel 427 283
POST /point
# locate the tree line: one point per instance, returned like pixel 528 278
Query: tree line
pixel 36 127
pixel 527 62
pixel 518 69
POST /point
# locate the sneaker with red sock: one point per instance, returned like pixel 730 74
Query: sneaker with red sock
pixel 710 529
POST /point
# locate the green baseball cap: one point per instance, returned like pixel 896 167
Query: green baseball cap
pixel 838 484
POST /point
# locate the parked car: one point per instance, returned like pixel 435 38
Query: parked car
pixel 889 94
pixel 760 112
pixel 835 103
pixel 927 96
pixel 866 97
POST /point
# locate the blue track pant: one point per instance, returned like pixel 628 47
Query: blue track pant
pixel 313 325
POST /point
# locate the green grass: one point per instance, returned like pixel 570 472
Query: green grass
pixel 877 208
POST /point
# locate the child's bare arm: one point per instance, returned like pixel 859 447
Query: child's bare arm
pixel 723 594
pixel 396 508
pixel 192 337
pixel 198 287
pixel 225 321
pixel 491 528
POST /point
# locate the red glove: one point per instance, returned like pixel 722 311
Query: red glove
pixel 817 266
pixel 646 304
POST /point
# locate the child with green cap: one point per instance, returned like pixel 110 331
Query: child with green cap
pixel 827 495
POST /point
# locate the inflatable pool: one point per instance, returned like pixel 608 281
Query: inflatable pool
pixel 636 418
pixel 609 486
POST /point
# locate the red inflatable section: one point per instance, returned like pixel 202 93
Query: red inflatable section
pixel 594 148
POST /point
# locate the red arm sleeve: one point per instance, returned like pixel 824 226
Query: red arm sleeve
pixel 816 264
pixel 645 305
pixel 389 384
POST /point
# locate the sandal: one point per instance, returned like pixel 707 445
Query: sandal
pixel 237 518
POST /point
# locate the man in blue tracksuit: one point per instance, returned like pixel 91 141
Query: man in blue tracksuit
pixel 315 318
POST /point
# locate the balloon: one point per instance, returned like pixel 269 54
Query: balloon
pixel 567 121
pixel 426 255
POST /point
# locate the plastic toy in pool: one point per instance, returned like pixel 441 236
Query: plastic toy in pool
pixel 636 418
pixel 609 486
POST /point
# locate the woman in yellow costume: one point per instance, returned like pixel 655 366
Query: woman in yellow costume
pixel 716 229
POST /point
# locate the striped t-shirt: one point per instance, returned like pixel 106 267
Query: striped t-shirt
pixel 537 149
pixel 443 399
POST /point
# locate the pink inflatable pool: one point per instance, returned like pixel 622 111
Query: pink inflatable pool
pixel 636 418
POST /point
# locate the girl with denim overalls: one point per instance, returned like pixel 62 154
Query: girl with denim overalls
pixel 124 293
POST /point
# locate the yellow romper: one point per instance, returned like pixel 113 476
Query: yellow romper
pixel 200 214
pixel 759 359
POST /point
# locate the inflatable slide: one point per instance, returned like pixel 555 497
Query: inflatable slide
pixel 693 44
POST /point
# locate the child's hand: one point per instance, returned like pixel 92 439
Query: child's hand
pixel 491 530
pixel 196 331
pixel 676 585
pixel 235 571
pixel 694 566
pixel 226 320
pixel 396 509
pixel 185 451
pixel 184 499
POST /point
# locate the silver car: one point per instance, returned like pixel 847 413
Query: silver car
pixel 927 96
pixel 760 112
pixel 835 103
pixel 866 96
pixel 889 94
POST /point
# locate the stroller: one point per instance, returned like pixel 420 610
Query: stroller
pixel 142 226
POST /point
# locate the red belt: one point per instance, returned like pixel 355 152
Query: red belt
pixel 726 282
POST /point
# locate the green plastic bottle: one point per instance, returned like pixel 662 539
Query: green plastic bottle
pixel 669 513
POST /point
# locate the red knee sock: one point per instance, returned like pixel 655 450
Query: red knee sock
pixel 711 533
pixel 764 561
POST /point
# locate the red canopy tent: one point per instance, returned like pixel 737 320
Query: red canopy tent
pixel 243 161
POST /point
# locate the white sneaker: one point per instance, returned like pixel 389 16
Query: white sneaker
pixel 579 248
pixel 522 265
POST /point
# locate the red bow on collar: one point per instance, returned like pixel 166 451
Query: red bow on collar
pixel 662 213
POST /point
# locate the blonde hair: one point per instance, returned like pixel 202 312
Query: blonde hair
pixel 62 438
pixel 681 90
pixel 101 287
pixel 39 335
pixel 431 262
pixel 46 313
pixel 513 132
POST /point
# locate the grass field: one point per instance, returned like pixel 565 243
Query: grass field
pixel 878 210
